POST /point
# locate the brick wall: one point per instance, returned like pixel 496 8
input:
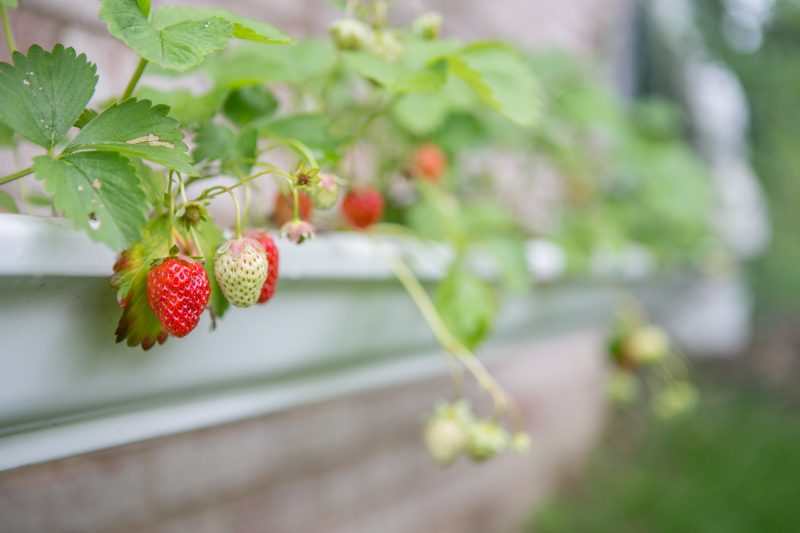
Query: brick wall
pixel 355 464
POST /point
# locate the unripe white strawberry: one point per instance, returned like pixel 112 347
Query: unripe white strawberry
pixel 241 269
pixel 351 34
pixel 428 25
pixel 648 344
pixel 446 434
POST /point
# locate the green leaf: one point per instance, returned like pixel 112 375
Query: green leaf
pixel 99 192
pixel 144 6
pixel 217 142
pixel 210 237
pixel 177 47
pixel 9 3
pixel 7 203
pixel 86 116
pixel 6 135
pixel 138 324
pixel 509 256
pixel 188 108
pixel 152 182
pixel 136 128
pixel 243 28
pixel 501 78
pixel 437 216
pixel 468 306
pixel 311 129
pixel 396 78
pixel 247 104
pixel 421 113
pixel 43 93
pixel 251 64
pixel 40 200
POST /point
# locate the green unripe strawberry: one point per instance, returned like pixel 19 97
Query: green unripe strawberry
pixel 241 267
pixel 486 439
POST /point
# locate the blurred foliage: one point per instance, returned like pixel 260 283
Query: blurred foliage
pixel 731 466
pixel 771 79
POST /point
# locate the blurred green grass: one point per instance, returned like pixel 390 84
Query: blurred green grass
pixel 731 466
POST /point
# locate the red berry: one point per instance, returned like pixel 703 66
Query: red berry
pixel 429 162
pixel 265 240
pixel 284 208
pixel 362 208
pixel 178 291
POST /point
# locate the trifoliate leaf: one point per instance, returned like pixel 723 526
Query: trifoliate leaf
pixel 99 192
pixel 136 128
pixel 210 237
pixel 243 28
pixel 468 306
pixel 138 324
pixel 43 93
pixel 501 78
pixel 179 46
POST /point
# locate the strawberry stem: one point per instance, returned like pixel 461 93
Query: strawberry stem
pixel 502 402
pixel 296 205
pixel 192 232
pixel 238 213
pixel 137 74
pixel 16 175
pixel 7 30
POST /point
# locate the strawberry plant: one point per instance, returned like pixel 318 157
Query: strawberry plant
pixel 378 120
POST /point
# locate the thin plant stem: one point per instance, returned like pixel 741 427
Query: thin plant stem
pixel 7 30
pixel 238 213
pixel 137 74
pixel 303 150
pixel 296 205
pixel 16 175
pixel 502 403
pixel 192 231
pixel 349 8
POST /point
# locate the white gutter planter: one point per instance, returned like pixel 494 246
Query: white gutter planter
pixel 339 362
pixel 339 323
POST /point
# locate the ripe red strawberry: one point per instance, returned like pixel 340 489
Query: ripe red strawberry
pixel 265 240
pixel 429 162
pixel 284 208
pixel 363 207
pixel 178 291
